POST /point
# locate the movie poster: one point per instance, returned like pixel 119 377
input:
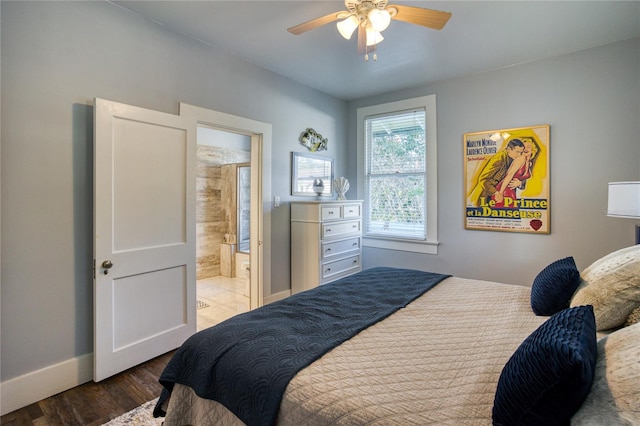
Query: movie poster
pixel 507 180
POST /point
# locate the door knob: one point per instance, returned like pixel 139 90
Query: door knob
pixel 106 265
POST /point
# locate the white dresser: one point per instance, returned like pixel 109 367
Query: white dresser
pixel 326 242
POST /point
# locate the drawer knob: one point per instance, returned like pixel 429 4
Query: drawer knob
pixel 328 230
pixel 328 249
pixel 355 244
pixel 330 212
pixel 355 261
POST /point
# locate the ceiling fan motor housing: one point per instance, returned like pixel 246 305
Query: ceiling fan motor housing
pixel 362 7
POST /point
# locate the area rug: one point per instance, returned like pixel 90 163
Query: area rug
pixel 139 416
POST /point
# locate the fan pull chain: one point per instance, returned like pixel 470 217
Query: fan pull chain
pixel 375 54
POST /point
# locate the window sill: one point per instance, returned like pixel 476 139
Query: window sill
pixel 426 247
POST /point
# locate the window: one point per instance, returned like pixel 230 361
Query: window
pixel 397 174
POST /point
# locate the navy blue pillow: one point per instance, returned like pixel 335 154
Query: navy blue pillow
pixel 548 377
pixel 553 287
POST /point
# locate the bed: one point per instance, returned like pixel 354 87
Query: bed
pixel 408 347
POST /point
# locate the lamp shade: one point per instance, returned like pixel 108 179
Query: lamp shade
pixel 373 37
pixel 348 26
pixel 624 200
pixel 379 19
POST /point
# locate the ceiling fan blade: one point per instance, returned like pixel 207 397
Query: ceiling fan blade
pixel 362 40
pixel 317 22
pixel 429 18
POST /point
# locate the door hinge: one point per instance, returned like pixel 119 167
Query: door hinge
pixel 94 269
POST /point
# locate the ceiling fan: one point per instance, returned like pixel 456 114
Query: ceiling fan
pixel 370 18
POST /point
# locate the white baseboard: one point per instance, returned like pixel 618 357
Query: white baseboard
pixel 37 385
pixel 278 296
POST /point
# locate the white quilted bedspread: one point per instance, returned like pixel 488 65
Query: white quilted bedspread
pixel 437 362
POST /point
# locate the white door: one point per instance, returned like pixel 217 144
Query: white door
pixel 144 234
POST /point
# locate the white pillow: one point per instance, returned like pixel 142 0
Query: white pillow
pixel 614 398
pixel 612 286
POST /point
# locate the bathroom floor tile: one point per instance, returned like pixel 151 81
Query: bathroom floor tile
pixel 225 297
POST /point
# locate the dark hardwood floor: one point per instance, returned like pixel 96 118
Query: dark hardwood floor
pixel 95 403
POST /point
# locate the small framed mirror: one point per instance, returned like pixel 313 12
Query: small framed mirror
pixel 311 175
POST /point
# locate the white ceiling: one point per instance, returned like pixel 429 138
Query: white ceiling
pixel 480 36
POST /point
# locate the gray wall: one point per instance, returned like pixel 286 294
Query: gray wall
pixel 591 100
pixel 56 58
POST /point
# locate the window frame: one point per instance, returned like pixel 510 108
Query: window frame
pixel 428 103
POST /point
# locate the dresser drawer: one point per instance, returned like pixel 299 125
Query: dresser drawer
pixel 330 230
pixel 331 269
pixel 330 213
pixel 351 210
pixel 336 248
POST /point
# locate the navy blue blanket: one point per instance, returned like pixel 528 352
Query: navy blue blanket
pixel 246 362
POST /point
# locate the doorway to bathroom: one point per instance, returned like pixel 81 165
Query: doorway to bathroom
pixel 223 224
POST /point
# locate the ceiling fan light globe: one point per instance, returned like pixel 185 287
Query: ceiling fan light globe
pixel 379 19
pixel 373 37
pixel 348 26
